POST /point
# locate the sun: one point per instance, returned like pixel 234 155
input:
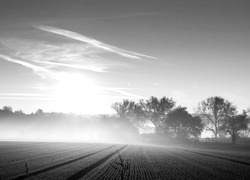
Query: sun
pixel 78 94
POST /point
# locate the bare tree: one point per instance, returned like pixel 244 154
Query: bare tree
pixel 213 111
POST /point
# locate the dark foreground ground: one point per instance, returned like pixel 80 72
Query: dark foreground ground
pixel 41 160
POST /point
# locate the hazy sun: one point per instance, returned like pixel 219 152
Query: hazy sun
pixel 77 94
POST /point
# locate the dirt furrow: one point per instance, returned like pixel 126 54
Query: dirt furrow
pixel 86 170
pixel 58 165
pixel 220 157
pixel 40 153
pixel 213 167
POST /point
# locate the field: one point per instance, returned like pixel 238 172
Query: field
pixel 57 160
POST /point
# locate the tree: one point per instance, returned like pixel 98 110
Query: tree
pixel 234 124
pixel 129 110
pixel 213 111
pixel 156 110
pixel 39 112
pixel 19 112
pixel 7 109
pixel 248 111
pixel 179 123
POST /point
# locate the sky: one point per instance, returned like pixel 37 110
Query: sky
pixel 82 56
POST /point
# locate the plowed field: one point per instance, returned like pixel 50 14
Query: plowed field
pixel 71 161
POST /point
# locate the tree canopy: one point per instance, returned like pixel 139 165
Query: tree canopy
pixel 156 110
pixel 129 110
pixel 234 124
pixel 179 123
pixel 213 111
pixel 168 120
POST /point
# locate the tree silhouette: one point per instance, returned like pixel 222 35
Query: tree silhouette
pixel 7 109
pixel 179 123
pixel 153 110
pixel 156 110
pixel 39 112
pixel 234 124
pixel 129 111
pixel 213 111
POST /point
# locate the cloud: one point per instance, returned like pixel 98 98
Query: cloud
pixel 46 59
pixel 49 56
pixel 156 84
pixel 26 96
pixel 195 87
pixel 130 95
pixel 77 66
pixel 51 60
pixel 93 42
pixel 39 70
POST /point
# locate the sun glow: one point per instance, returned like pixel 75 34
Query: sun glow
pixel 78 94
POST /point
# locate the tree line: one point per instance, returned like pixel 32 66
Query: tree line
pixel 65 126
pixel 215 114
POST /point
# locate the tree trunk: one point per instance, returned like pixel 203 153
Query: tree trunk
pixel 157 130
pixel 216 134
pixel 233 139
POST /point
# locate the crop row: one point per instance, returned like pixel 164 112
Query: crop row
pixel 237 157
pixel 11 170
pixel 81 167
pixel 213 166
pixel 147 162
pixel 36 151
pixel 106 161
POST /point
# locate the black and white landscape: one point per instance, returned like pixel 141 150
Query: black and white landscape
pixel 124 89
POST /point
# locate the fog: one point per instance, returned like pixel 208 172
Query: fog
pixel 66 127
pixel 42 126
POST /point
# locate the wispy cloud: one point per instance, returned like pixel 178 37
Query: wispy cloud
pixel 26 96
pixel 94 68
pixel 55 97
pixel 37 69
pixel 195 87
pixel 156 84
pixel 94 42
pixel 51 60
pixel 129 95
pixel 46 56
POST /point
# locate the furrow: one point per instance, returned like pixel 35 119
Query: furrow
pixel 41 154
pixel 58 165
pixel 220 157
pixel 86 170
